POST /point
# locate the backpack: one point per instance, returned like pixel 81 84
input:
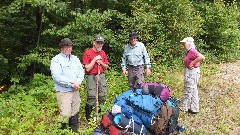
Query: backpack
pixel 108 127
pixel 173 122
pixel 156 89
pixel 161 119
pixel 130 125
pixel 144 106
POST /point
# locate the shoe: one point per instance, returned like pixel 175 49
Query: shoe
pixel 190 111
pixel 63 126
pixel 88 110
pixel 73 123
pixel 180 128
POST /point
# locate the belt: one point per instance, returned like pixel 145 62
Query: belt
pixel 189 68
pixel 134 66
pixel 95 74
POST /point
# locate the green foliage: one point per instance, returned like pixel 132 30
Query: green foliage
pixel 221 30
pixel 89 24
pixel 31 30
pixel 162 25
pixel 3 69
pixel 32 109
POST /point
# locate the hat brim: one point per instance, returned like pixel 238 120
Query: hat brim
pixel 132 37
pixel 99 41
pixel 183 41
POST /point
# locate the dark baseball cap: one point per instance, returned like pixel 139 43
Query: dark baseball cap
pixel 133 35
pixel 99 39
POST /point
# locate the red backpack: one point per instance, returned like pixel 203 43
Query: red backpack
pixel 107 125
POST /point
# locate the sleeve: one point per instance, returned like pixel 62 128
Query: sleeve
pixel 56 71
pixel 105 58
pixel 85 58
pixel 81 72
pixel 124 60
pixel 193 54
pixel 146 57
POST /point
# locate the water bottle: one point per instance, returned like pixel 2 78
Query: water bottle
pixel 180 128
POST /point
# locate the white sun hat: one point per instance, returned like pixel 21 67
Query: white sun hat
pixel 187 39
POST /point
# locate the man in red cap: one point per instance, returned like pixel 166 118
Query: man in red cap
pixel 95 62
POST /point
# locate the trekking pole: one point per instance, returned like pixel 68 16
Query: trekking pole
pixel 97 79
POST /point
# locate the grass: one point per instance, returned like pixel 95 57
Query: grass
pixel 218 91
pixel 219 99
pixel 219 103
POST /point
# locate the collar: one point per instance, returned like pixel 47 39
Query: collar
pixel 189 49
pixel 133 46
pixel 64 55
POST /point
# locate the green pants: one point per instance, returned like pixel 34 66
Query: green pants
pixel 92 87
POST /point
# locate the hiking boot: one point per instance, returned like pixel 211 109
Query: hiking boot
pixel 73 123
pixel 63 126
pixel 88 111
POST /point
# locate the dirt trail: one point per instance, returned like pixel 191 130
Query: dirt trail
pixel 219 104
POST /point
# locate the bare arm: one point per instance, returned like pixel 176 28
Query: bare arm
pixel 199 58
pixel 89 66
pixel 105 66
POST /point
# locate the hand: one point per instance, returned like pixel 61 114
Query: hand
pixel 99 62
pixel 124 72
pixel 190 66
pixel 148 71
pixel 98 57
pixel 75 85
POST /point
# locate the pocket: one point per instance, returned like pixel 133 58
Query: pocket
pixel 138 57
pixel 189 79
pixel 65 69
pixel 128 56
pixel 197 77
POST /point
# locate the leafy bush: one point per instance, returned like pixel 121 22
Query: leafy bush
pixel 221 30
pixel 162 25
pixel 4 74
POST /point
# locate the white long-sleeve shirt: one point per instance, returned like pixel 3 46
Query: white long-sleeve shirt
pixel 64 70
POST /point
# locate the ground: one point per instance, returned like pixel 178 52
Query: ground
pixel 219 101
pixel 219 104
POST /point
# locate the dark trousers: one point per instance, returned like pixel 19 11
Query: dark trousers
pixel 135 76
pixel 91 89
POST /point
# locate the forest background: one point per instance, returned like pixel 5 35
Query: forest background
pixel 30 31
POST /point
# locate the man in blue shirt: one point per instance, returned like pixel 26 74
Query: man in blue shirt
pixel 135 56
pixel 68 74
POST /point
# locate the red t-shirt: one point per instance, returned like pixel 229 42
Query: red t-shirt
pixel 191 56
pixel 89 55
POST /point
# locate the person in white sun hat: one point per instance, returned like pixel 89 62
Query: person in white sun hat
pixel 191 61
